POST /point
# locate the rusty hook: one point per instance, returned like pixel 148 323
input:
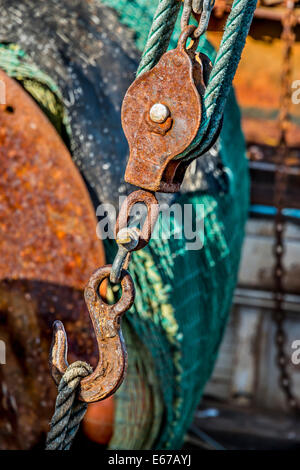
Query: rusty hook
pixel 109 373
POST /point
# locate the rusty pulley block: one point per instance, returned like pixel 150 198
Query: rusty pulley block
pixel 161 116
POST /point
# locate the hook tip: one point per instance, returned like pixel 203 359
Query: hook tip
pixel 57 327
pixel 58 351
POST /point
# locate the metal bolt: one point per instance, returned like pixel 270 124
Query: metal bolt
pixel 127 239
pixel 159 113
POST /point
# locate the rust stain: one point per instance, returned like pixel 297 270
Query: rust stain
pixel 47 222
pixel 258 88
pixel 48 250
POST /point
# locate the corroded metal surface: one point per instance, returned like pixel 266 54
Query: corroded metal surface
pixel 258 80
pixel 92 59
pixel 80 46
pixel 280 189
pixel 153 145
pixel 47 222
pixel 151 203
pixel 259 93
pixel 109 373
pixel 48 250
pixel 258 87
pixel 266 22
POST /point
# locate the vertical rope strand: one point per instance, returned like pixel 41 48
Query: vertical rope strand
pixel 160 33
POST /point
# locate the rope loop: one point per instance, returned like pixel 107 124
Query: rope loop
pixel 69 411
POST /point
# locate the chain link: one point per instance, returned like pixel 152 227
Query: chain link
pixel 201 8
pixel 280 186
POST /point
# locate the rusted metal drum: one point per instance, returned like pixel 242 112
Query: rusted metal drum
pixel 48 243
pixel 48 250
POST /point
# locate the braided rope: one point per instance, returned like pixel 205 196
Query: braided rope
pixel 160 33
pixel 69 411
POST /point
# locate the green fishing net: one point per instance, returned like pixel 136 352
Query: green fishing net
pixel 183 296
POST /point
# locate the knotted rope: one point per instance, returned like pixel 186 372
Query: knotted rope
pixel 69 411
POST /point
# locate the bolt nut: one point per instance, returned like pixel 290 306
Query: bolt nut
pixel 159 113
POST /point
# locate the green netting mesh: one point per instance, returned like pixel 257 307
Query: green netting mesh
pixel 183 297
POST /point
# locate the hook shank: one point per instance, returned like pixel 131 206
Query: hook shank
pixel 109 373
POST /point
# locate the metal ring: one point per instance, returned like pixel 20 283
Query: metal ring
pixel 139 197
pixel 207 7
pixel 187 33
